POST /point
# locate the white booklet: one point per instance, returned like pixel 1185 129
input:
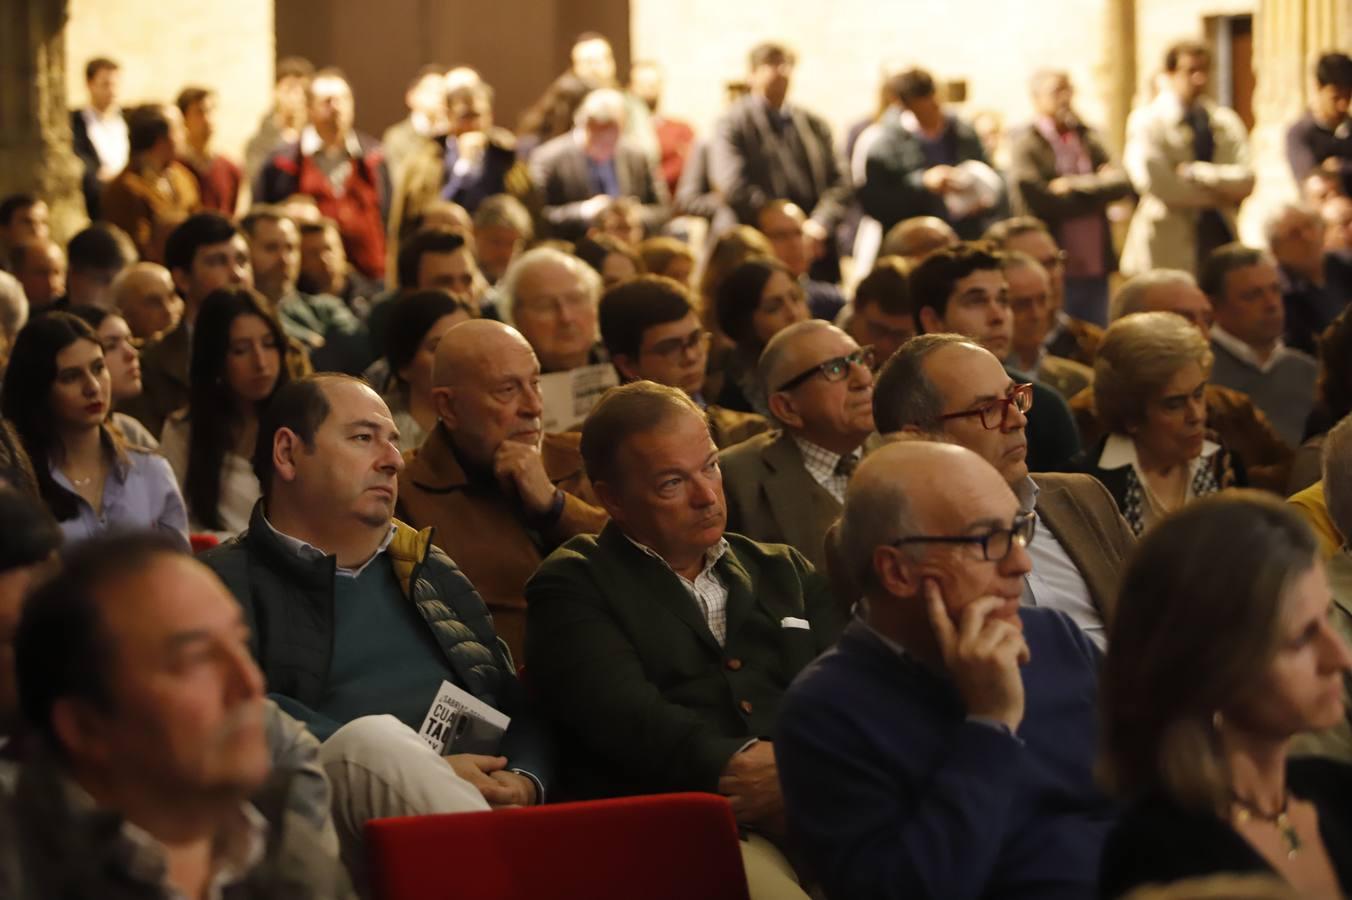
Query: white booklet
pixel 459 722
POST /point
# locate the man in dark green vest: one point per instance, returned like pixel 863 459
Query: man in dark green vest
pixel 661 647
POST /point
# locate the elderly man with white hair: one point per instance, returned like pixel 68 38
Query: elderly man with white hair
pixel 578 173
pixel 1315 285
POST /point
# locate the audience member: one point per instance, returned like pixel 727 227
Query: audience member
pixel 218 179
pixel 945 746
pixel 675 138
pixel 1315 288
pixel 418 322
pixel 123 361
pixel 155 192
pixel 16 469
pixel 963 291
pixel 57 393
pixel 1189 160
pixel 94 259
pixel 1238 425
pixel 99 132
pixel 668 256
pixel 615 261
pixel 551 298
pixel 13 315
pixel 578 173
pixel 502 230
pixel 1321 141
pixel 661 647
pixel 786 486
pixel 40 266
pixel 324 269
pixel 620 218
pixel 552 114
pixel 283 123
pixel 1333 401
pixel 765 148
pixel 27 558
pixel 928 162
pixel 784 224
pixel 358 620
pixel 1337 214
pixel 915 238
pixel 756 300
pixel 425 123
pixel 881 314
pixel 1083 539
pixel 1150 394
pixel 1246 299
pixel 1031 310
pixel 500 493
pixel 1237 659
pixel 143 293
pixel 322 323
pixel 339 167
pixel 652 333
pixel 237 367
pixel 593 65
pixel 23 217
pixel 1063 174
pixel 154 775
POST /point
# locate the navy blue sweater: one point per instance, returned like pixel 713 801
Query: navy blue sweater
pixel 892 793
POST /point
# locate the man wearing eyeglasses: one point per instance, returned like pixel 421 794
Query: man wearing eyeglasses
pixel 786 486
pixel 943 387
pixel 945 746
pixel 651 331
pixel 962 290
pixel 500 493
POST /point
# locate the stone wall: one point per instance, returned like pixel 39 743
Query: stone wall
pixel 164 47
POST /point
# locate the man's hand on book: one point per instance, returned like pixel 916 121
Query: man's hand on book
pixel 480 771
pixel 750 781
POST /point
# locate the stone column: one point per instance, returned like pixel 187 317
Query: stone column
pixel 1289 35
pixel 35 142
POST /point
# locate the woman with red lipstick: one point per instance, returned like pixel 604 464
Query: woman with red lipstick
pixel 238 363
pixel 123 359
pixel 1149 392
pixel 57 393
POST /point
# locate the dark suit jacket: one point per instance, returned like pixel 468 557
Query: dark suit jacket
pixel 1084 517
pixel 641 693
pixel 90 185
pixel 1032 167
pixel 1052 439
pixel 559 170
pixel 892 189
pixel 748 165
pixel 772 496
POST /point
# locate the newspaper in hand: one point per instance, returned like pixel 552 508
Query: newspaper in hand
pixel 459 722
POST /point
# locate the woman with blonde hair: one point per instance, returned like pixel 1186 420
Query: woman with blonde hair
pixel 1220 653
pixel 1150 380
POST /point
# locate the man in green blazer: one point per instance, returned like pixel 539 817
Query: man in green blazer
pixel 787 486
pixel 661 647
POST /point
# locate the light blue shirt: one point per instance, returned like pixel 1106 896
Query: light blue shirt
pixel 139 493
pixel 1055 581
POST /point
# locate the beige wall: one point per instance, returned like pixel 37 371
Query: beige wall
pixel 222 44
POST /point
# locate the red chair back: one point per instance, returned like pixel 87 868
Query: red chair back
pixel 202 542
pixel 663 847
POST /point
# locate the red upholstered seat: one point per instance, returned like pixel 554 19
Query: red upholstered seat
pixel 663 847
pixel 202 542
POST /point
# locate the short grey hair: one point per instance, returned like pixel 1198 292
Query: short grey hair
pixel 1130 298
pixel 13 306
pixel 1273 223
pixel 778 347
pixel 590 278
pixel 602 105
pixel 1337 465
pixel 902 394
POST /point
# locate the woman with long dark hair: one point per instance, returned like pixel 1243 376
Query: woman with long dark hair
pixel 238 350
pixel 57 393
pixel 757 300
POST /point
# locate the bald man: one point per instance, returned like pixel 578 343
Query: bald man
pixel 945 746
pixel 500 492
pixel 144 294
pixel 915 238
pixel 786 486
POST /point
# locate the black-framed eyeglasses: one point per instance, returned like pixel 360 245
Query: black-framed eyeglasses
pixel 672 346
pixel 836 369
pixel 995 412
pixel 995 544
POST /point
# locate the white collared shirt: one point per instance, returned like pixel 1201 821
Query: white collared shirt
pixel 108 133
pixel 1246 354
pixel 821 464
pixel 707 590
pixel 1120 451
pixel 311 552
